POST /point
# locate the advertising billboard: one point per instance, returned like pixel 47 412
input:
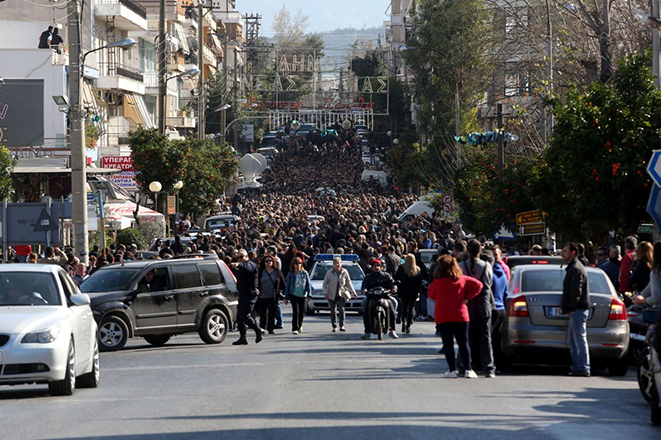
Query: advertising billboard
pixel 22 112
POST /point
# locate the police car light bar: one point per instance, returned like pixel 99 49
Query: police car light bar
pixel 329 257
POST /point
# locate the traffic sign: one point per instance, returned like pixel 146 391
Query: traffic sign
pixel 533 229
pixel 45 222
pixel 654 167
pixel 654 204
pixel 524 218
pixel 172 205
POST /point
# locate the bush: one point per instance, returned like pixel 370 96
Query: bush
pixel 151 230
pixel 130 236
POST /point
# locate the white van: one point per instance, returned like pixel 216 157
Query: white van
pixel 375 175
pixel 417 208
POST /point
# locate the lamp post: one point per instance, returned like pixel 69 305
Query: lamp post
pixel 177 187
pixel 78 160
pixel 155 187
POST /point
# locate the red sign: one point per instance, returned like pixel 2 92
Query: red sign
pixel 124 163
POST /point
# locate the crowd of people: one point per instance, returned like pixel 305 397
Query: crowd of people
pixel 284 224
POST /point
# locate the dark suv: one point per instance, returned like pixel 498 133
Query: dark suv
pixel 157 299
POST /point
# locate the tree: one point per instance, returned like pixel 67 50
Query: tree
pixel 289 31
pixel 7 164
pixel 205 168
pixel 450 56
pixel 594 176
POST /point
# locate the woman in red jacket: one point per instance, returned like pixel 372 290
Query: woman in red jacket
pixel 452 290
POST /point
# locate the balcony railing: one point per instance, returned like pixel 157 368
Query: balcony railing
pixel 112 69
pixel 129 4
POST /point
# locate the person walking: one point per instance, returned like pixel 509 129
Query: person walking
pixel 452 291
pixel 641 268
pixel 246 274
pixel 338 290
pixel 410 278
pixel 480 309
pixel 651 295
pixel 498 314
pixel 575 303
pixel 271 285
pixel 297 290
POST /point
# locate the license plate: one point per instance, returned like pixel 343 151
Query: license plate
pixel 555 313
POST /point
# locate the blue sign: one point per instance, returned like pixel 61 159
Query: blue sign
pixel 654 167
pixel 654 204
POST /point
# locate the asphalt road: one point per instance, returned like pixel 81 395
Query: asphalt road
pixel 322 385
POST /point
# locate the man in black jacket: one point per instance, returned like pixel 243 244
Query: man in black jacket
pixel 576 303
pixel 246 272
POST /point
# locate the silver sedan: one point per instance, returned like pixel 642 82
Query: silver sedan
pixel 536 328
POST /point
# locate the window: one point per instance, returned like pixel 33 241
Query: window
pixel 186 276
pixel 211 274
pixel 108 280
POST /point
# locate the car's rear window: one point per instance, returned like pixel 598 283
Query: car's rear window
pixel 551 281
pixel 29 288
pixel 186 276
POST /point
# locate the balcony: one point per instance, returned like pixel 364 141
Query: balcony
pixel 117 76
pixel 180 121
pixel 128 14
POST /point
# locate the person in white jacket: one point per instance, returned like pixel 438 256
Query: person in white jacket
pixel 337 290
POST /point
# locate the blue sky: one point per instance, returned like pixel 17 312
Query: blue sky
pixel 325 15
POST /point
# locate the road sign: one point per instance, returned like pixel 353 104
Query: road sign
pixel 524 218
pixel 171 205
pixel 654 204
pixel 533 229
pixel 654 167
pixel 645 228
pixel 45 222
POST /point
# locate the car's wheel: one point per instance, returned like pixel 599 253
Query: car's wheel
pixel 66 386
pixel 214 326
pixel 91 379
pixel 645 374
pixel 619 367
pixel 157 340
pixel 113 333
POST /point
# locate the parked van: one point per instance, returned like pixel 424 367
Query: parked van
pixel 417 208
pixel 380 176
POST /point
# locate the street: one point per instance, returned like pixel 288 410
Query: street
pixel 322 385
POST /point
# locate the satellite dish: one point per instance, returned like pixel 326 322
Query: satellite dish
pixel 346 124
pixel 295 125
pixel 249 166
pixel 262 160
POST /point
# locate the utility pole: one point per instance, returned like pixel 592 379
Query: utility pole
pixel 549 72
pixel 161 67
pixel 200 66
pixel 501 142
pixel 78 163
pixel 236 127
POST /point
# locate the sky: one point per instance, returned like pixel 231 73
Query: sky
pixel 322 18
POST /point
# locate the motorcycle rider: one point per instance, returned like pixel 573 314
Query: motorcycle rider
pixel 378 278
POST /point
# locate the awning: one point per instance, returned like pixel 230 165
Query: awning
pixel 216 41
pixel 60 170
pixel 123 211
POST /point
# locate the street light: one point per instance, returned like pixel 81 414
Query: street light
pixel 177 187
pixel 155 187
pixel 126 43
pixel 78 160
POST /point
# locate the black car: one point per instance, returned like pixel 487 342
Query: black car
pixel 157 299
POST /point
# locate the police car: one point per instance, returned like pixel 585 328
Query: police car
pixel 324 263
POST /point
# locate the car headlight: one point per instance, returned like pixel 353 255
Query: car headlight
pixel 42 337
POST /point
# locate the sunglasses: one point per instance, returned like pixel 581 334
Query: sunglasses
pixel 297 264
pixel 268 261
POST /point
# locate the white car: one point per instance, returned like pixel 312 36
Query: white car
pixel 324 262
pixel 47 331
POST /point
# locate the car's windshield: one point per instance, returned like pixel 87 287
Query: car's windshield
pixel 29 289
pixel 551 281
pixel 109 280
pixel 355 272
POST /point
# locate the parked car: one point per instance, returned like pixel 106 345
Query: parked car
pixel 536 327
pixel 220 222
pixel 47 334
pixel 324 262
pixel 157 299
pixel 428 256
pixel 516 260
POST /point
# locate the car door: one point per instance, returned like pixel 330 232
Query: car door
pixel 80 318
pixel 155 307
pixel 189 292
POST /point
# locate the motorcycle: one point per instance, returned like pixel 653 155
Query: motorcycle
pixel 648 378
pixel 378 306
pixel 637 333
